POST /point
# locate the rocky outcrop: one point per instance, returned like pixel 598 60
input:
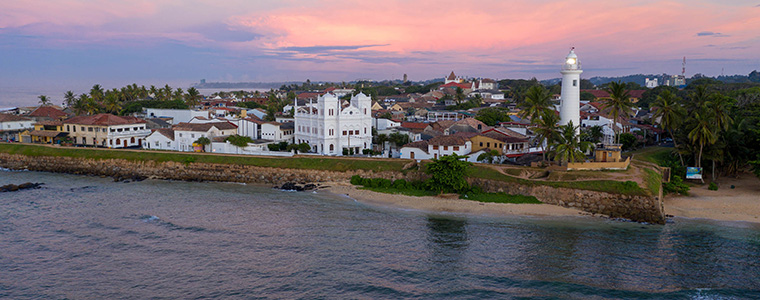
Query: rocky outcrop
pixel 23 186
pixel 637 208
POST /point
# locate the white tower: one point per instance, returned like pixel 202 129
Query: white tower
pixel 570 104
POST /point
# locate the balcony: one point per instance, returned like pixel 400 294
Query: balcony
pixel 144 132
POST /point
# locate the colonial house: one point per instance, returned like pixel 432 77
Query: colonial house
pixel 438 146
pixel 502 142
pixel 185 134
pixel 107 130
pixel 12 125
pixel 276 131
pixel 44 132
pixel 47 113
pixel 329 126
pixel 161 139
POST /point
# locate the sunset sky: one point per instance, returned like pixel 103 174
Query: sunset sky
pixel 156 41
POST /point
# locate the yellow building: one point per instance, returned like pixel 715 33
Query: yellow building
pixel 45 132
pixel 500 142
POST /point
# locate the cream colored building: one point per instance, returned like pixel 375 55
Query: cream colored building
pixel 106 130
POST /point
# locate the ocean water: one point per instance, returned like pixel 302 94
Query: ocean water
pixel 83 237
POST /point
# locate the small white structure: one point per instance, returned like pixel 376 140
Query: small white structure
pixel 383 124
pixel 177 115
pixel 437 147
pixel 571 91
pixel 12 125
pixel 185 134
pixel 161 139
pixel 651 83
pixel 276 131
pixel 329 127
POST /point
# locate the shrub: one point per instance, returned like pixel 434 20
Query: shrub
pixel 357 180
pixel 381 183
pixel 675 185
pixel 400 184
pixel 713 186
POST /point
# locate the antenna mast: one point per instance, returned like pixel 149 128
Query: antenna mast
pixel 683 67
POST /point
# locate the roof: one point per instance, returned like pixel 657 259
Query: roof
pixel 503 137
pixel 449 140
pixel 12 118
pixel 451 76
pixel 104 120
pixel 204 127
pixel 48 133
pixel 419 144
pixel 455 85
pixel 47 112
pixel 413 125
pixel 50 123
pixel 167 132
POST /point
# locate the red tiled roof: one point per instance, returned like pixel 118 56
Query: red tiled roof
pixel 449 140
pixel 12 118
pixel 597 93
pixel 104 120
pixel 419 144
pixel 167 132
pixel 412 125
pixel 503 137
pixel 454 85
pixel 204 127
pixel 48 112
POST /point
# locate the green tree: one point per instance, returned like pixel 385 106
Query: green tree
pixel 44 100
pixel 492 115
pixel 203 141
pixel 619 103
pixel 239 141
pixel 299 148
pixel 69 99
pixel 488 156
pixel 593 134
pixel 546 130
pixel 703 133
pixel 536 103
pixel 568 147
pixel 671 115
pixel 193 97
pixel 459 96
pixel 97 93
pixel 447 174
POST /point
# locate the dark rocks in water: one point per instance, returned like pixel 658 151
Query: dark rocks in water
pixel 127 179
pixel 23 186
pixel 291 186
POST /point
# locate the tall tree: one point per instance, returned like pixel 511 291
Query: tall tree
pixel 568 147
pixel 97 93
pixel 704 133
pixel 192 98
pixel 671 115
pixel 69 99
pixel 546 130
pixel 536 103
pixel 44 100
pixel 619 103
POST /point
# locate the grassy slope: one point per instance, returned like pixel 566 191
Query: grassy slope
pixel 314 163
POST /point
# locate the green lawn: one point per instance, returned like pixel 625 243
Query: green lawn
pixel 500 198
pixel 314 163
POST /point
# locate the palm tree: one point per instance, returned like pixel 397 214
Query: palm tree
pixel 111 103
pixel 459 96
pixel 44 100
pixel 618 103
pixel 69 99
pixel 192 97
pixel 96 93
pixel 568 147
pixel 670 113
pixel 537 101
pixel 546 130
pixel 704 133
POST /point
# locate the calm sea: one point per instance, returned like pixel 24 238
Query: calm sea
pixel 84 237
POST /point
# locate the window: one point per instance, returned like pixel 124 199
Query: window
pixel 456 148
pixel 345 132
pixel 435 147
pixel 81 128
pixel 192 135
pixel 168 144
pixel 488 144
pixel 365 130
pixel 481 144
pixel 575 82
pixel 445 148
pixel 157 143
pixel 67 128
pixel 180 135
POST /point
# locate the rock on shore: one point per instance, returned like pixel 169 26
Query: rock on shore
pixel 23 186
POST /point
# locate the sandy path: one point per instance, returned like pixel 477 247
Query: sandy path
pixel 725 204
pixel 438 204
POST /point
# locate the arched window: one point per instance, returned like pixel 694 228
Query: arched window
pixel 332 148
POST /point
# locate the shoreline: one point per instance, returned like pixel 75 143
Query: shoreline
pixel 741 204
pixel 436 204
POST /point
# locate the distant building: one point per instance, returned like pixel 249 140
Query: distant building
pixel 107 130
pixel 12 125
pixel 177 115
pixel 650 84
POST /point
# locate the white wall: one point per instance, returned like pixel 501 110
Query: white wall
pixel 178 115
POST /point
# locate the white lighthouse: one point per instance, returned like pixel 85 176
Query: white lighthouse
pixel 570 104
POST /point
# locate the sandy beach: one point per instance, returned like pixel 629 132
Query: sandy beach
pixel 439 204
pixel 739 204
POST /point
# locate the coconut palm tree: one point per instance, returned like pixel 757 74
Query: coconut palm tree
pixel 704 133
pixel 546 130
pixel 619 103
pixel 111 103
pixel 44 100
pixel 568 147
pixel 69 98
pixel 537 101
pixel 671 115
pixel 97 93
pixel 192 97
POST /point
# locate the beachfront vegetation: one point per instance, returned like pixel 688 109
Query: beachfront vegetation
pixel 447 174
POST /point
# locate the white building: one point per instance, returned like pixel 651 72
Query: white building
pixel 383 124
pixel 571 91
pixel 185 134
pixel 330 127
pixel 177 115
pixel 437 147
pixel 12 125
pixel 161 139
pixel 276 131
pixel 107 130
pixel 651 83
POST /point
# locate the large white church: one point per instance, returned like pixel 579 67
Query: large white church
pixel 328 126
